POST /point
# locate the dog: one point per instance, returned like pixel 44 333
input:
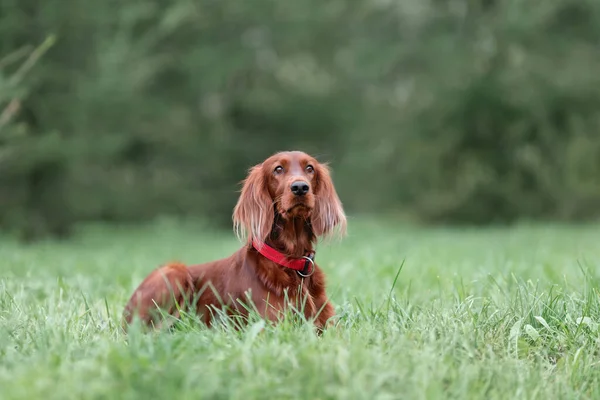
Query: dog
pixel 286 204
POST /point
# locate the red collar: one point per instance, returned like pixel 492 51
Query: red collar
pixel 304 266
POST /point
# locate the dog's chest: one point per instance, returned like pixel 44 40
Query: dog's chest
pixel 286 290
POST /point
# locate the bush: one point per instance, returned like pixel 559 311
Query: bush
pixel 510 128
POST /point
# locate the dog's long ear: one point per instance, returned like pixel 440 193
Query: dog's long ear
pixel 328 218
pixel 253 214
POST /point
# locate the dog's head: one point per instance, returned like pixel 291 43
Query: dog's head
pixel 288 185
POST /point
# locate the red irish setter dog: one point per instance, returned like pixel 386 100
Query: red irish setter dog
pixel 286 203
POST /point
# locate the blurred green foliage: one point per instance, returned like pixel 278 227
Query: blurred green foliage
pixel 456 111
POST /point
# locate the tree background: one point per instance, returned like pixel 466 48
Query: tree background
pixel 442 111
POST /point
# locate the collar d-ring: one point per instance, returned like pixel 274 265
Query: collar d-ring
pixel 309 262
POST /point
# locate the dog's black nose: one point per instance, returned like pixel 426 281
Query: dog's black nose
pixel 299 188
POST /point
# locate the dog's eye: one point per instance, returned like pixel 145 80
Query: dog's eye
pixel 278 169
pixel 309 169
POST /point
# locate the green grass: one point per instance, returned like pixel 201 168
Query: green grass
pixel 488 313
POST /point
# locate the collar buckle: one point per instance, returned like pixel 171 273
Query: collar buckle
pixel 305 273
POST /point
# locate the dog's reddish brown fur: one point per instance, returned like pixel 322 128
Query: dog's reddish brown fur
pixel 269 212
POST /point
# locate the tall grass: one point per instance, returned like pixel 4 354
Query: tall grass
pixel 423 313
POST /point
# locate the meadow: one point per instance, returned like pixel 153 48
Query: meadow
pixel 424 313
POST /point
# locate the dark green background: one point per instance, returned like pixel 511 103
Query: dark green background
pixel 463 111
